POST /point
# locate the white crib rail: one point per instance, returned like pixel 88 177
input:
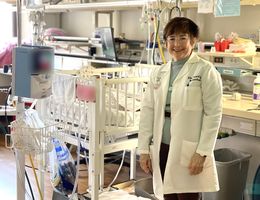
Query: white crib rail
pixel 131 89
pixel 88 117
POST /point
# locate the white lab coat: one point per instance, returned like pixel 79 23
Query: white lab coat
pixel 196 112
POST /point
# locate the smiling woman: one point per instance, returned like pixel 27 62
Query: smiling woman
pixel 180 118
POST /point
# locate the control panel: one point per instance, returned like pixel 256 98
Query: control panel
pixel 236 62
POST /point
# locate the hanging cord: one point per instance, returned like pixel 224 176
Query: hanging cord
pixel 36 178
pixel 30 187
pixel 176 10
pixel 154 40
pixel 158 40
pixel 142 55
pixel 119 169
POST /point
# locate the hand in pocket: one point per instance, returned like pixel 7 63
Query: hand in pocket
pixel 196 164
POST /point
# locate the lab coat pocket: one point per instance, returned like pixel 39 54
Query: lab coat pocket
pixel 208 162
pixel 192 98
pixel 187 150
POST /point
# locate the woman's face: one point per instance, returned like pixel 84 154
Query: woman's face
pixel 180 45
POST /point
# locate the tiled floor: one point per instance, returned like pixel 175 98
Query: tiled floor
pixel 8 176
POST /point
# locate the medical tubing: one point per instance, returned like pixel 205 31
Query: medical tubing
pixel 156 29
pixel 30 187
pixel 119 169
pixel 159 42
pixel 36 178
pixel 150 35
pixel 153 49
pixel 142 55
pixel 33 103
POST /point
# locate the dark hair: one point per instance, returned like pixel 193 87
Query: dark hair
pixel 181 25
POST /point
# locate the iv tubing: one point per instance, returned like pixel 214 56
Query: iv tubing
pixel 36 178
pixel 158 41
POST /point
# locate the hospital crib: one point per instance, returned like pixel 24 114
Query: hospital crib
pixel 100 105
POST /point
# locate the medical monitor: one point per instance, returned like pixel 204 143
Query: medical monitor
pixel 107 40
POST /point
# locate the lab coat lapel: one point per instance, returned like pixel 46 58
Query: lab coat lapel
pixel 162 93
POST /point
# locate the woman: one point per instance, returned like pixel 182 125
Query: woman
pixel 180 117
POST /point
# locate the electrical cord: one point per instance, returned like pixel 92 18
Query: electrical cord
pixel 119 169
pixel 28 181
pixel 158 40
pixel 36 178
pixel 176 10
pixel 154 42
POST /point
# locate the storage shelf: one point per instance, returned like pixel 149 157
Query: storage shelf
pixel 224 54
pixel 117 5
pixel 123 5
pixel 234 72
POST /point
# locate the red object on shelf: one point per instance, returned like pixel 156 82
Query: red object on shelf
pixel 224 45
pixel 217 45
pixel 221 46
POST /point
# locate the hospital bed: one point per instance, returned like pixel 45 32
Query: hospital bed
pixel 102 106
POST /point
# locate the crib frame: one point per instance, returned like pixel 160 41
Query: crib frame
pixel 104 81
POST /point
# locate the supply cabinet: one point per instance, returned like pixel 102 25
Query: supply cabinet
pixel 238 124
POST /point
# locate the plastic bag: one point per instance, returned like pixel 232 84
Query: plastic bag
pixel 63 169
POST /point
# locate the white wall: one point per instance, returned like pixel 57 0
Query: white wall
pixel 78 23
pixel 52 19
pixel 83 23
pixel 130 25
pixel 6 22
pixel 246 24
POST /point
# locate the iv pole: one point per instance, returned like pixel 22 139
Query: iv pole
pixel 20 156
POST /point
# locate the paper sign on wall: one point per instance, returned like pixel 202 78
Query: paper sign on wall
pixel 205 6
pixel 227 8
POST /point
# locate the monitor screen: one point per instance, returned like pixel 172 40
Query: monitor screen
pixel 107 40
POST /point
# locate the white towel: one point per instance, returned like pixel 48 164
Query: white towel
pixel 64 88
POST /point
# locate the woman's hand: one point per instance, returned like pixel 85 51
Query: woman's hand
pixel 196 164
pixel 145 163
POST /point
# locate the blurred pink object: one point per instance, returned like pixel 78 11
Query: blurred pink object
pixel 86 93
pixel 49 32
pixel 6 50
pixel 6 53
